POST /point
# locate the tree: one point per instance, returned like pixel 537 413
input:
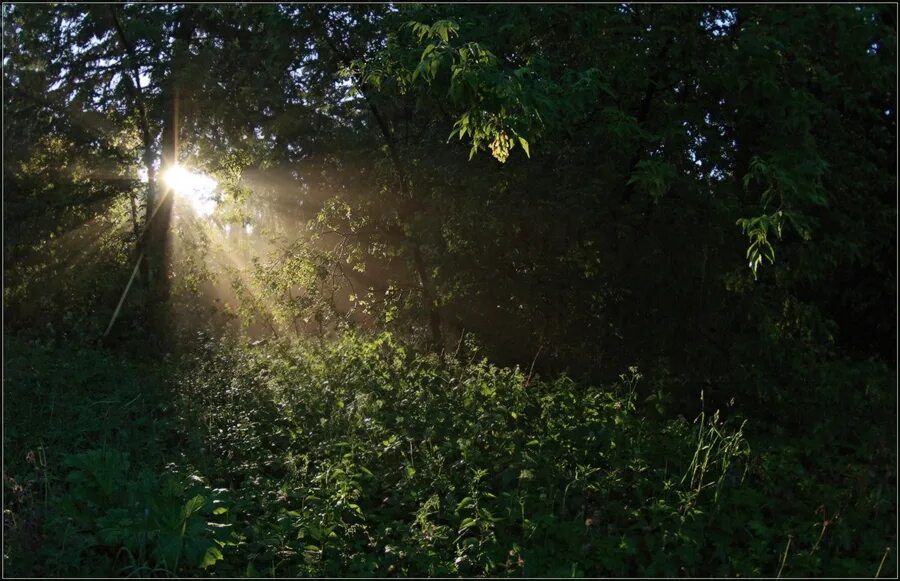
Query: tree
pixel 600 186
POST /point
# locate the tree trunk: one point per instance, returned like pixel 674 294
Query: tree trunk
pixel 133 84
pixel 157 240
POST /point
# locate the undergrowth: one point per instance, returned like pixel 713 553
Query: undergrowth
pixel 362 457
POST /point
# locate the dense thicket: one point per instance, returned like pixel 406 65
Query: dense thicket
pixel 706 193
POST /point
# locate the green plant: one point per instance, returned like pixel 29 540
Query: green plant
pixel 159 522
pixel 717 449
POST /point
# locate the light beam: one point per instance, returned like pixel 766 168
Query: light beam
pixel 197 188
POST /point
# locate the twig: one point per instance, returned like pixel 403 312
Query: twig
pixel 533 361
pixel 462 336
pixel 883 558
pixel 784 557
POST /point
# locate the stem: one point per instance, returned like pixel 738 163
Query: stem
pixel 822 534
pixel 883 558
pixel 784 557
pixel 533 361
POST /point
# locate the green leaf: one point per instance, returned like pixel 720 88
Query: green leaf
pixel 467 523
pixel 524 145
pixel 442 32
pixel 467 501
pixel 212 555
pixel 192 506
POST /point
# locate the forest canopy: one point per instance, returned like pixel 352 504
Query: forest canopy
pixel 261 220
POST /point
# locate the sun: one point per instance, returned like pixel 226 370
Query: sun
pixel 198 188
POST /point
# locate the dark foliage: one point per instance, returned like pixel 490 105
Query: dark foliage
pixel 457 227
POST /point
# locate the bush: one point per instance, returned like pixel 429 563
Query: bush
pixel 364 457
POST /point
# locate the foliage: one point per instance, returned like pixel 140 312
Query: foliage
pixel 393 463
pixel 367 411
pixel 157 521
pixel 363 457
